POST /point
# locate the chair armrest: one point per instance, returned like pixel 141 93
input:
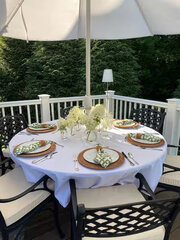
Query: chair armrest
pixel 174 146
pixel 5 161
pixel 171 167
pixel 28 190
pixel 143 182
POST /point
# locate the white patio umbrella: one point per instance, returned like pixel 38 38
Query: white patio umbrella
pixel 50 20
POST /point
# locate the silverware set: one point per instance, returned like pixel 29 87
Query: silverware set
pixel 48 156
pixel 76 162
pixel 131 163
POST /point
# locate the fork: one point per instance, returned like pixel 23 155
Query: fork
pixel 48 156
pixel 76 162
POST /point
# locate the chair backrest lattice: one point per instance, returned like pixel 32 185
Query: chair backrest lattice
pixel 65 111
pixel 130 218
pixel 9 126
pixel 149 117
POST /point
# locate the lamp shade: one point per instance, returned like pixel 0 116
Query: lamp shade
pixel 107 75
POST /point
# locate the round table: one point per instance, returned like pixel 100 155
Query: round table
pixel 61 166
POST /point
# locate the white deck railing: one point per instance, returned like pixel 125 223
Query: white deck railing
pixel 46 108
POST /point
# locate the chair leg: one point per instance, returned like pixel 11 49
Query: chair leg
pixel 56 217
pixel 5 235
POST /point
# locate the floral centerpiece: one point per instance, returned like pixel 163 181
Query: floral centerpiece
pixel 75 117
pixel 96 116
pixel 62 124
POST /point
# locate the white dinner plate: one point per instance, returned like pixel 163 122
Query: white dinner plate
pixel 130 124
pixel 90 155
pixel 41 149
pixel 144 141
pixel 39 129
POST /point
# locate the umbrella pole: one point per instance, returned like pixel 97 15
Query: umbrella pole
pixel 88 47
pixel 87 98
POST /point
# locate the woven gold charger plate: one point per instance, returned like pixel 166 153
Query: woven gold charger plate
pixel 52 148
pixel 130 140
pixel 41 131
pixel 87 164
pixel 124 126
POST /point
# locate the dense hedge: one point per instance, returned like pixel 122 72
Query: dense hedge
pixel 147 67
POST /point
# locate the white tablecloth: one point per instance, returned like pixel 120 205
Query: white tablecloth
pixel 61 167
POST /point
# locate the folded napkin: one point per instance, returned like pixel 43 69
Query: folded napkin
pixel 125 122
pixel 145 136
pixel 102 158
pixel 41 125
pixel 30 146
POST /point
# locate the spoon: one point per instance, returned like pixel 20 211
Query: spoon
pixel 131 156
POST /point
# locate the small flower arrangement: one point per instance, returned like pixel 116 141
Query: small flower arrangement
pixel 96 116
pixel 62 124
pixel 75 117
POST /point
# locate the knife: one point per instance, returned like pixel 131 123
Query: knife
pixel 132 164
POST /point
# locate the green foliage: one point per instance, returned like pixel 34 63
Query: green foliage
pixel 177 91
pixel 13 57
pixel 120 57
pixel 159 58
pixel 55 68
pixel 146 67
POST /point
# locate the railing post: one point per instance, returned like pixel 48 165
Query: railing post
pixel 109 101
pixel 45 109
pixel 172 126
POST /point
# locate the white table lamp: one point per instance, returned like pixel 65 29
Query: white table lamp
pixel 107 76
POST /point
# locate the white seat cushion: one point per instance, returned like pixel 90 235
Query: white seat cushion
pixel 11 184
pixel 117 195
pixel 5 152
pixel 172 178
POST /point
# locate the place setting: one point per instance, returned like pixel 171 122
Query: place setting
pixel 145 140
pixel 41 127
pixel 35 148
pixel 100 158
pixel 125 123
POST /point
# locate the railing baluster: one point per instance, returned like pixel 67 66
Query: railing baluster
pixel 116 109
pixel 3 112
pixel 20 109
pixel 130 107
pixel 120 110
pixel 125 109
pixel 52 111
pixel 37 115
pixel 65 105
pixel 58 105
pixel 29 115
pixel 12 111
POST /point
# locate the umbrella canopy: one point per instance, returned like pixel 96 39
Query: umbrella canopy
pixel 47 20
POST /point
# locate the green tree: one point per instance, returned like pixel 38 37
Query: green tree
pixel 120 57
pixel 55 68
pixel 159 58
pixel 13 57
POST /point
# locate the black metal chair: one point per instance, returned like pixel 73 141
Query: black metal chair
pixel 120 211
pixel 21 200
pixel 9 126
pixel 65 111
pixel 170 179
pixel 149 117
